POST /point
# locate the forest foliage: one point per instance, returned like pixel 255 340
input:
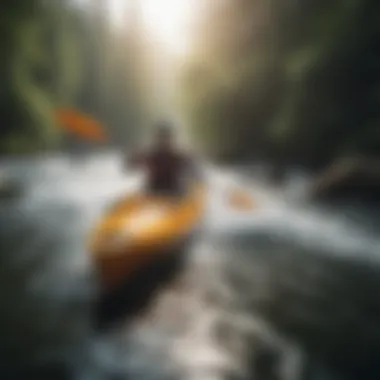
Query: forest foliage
pixel 292 82
pixel 57 56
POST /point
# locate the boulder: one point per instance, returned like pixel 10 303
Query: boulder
pixel 357 178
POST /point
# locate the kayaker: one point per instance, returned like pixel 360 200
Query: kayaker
pixel 166 166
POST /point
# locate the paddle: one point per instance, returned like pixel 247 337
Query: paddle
pixel 89 129
pixel 80 125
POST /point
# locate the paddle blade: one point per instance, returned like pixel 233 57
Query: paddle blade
pixel 241 200
pixel 81 125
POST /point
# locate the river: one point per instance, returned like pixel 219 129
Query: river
pixel 286 291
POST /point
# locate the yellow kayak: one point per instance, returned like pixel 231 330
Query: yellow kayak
pixel 142 228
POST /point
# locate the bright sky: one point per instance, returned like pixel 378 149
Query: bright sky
pixel 168 21
pixel 116 7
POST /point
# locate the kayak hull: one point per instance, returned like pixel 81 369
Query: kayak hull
pixel 134 295
pixel 140 244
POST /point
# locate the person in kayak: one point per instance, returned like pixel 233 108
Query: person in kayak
pixel 166 166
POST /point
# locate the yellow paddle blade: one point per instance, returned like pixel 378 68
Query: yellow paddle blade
pixel 81 125
pixel 241 200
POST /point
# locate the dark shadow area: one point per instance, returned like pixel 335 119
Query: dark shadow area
pixel 326 303
pixel 137 293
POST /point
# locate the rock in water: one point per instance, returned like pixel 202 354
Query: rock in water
pixel 348 178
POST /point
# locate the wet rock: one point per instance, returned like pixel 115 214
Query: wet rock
pixel 348 178
pixel 10 189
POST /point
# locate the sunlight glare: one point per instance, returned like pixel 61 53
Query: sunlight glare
pixel 168 22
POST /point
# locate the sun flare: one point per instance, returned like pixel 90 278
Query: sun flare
pixel 168 22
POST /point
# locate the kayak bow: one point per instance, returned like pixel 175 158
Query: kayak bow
pixel 142 228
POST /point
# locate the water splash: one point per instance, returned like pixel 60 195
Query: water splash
pixel 201 327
